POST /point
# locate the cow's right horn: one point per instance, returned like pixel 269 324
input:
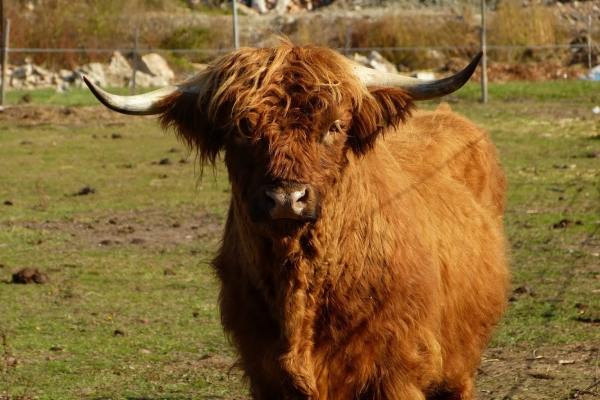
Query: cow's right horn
pixel 142 104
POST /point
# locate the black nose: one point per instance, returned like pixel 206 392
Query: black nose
pixel 287 201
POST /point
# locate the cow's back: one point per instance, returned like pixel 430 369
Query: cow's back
pixel 442 142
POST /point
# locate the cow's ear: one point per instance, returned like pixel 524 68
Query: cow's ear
pixel 186 114
pixel 385 108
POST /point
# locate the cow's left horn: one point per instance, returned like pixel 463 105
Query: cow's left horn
pixel 142 104
pixel 418 88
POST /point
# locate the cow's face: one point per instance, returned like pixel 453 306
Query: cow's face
pixel 286 119
pixel 282 161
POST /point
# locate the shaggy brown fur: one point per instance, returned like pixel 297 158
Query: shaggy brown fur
pixel 395 287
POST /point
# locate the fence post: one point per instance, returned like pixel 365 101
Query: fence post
pixel 484 94
pixel 348 38
pixel 236 36
pixel 589 42
pixel 5 41
pixel 134 60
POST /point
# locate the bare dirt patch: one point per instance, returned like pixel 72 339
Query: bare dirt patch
pixel 549 372
pixel 32 115
pixel 146 228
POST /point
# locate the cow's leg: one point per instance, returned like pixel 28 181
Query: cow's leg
pixel 462 390
pixel 397 391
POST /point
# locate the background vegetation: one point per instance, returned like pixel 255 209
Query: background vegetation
pixel 170 24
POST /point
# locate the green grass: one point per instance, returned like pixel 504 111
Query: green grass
pixel 63 333
pixel 76 97
pixel 569 90
pixel 551 91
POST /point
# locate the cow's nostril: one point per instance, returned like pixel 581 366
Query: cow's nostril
pixel 270 199
pixel 275 197
pixel 299 196
pixel 304 197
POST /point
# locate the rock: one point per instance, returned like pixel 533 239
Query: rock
pixel 155 65
pixel 94 72
pixel 282 6
pixel 118 71
pixel 378 62
pixel 244 9
pixel 363 60
pixel 37 70
pixel 153 71
pixel 593 74
pixel 145 80
pixel 424 75
pixel 22 72
pixel 67 76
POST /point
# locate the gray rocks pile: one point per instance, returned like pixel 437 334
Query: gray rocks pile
pixel 152 71
pixel 376 61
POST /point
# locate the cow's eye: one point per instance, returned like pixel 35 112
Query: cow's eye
pixel 245 128
pixel 334 129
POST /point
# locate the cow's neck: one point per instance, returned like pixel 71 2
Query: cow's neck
pixel 293 273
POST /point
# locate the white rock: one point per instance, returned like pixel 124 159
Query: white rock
pixel 146 80
pixel 118 65
pixel 154 64
pixel 424 75
pixel 359 58
pixel 94 72
pixel 22 72
pixel 260 6
pixel 378 62
pixel 66 75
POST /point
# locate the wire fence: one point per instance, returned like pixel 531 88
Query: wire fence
pixel 582 53
pixel 126 50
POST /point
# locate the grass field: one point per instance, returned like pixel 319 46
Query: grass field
pixel 112 210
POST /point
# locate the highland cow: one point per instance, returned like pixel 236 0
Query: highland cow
pixel 363 255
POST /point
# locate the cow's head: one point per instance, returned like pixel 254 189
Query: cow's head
pixel 285 118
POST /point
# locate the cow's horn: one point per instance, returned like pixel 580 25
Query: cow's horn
pixel 142 104
pixel 418 88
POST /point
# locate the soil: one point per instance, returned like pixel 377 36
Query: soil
pixel 549 372
pixel 148 229
pixel 537 372
pixel 30 275
pixel 27 115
